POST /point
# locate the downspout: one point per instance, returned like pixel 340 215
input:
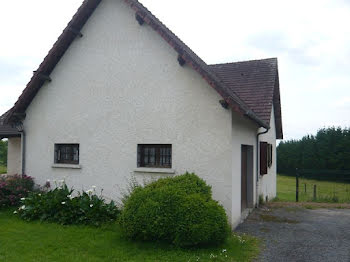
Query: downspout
pixel 261 123
pixel 20 128
pixel 257 165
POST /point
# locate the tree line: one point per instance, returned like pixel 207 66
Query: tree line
pixel 3 153
pixel 328 149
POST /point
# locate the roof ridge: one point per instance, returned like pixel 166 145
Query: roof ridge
pixel 257 83
pixel 191 58
pixel 160 22
pixel 211 77
pixel 245 61
pixel 4 115
pixel 7 130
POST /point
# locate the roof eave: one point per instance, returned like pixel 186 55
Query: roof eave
pixel 78 21
pixel 53 57
pixel 9 135
pixel 255 118
pixel 277 108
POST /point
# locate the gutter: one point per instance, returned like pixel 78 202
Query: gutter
pixel 257 164
pixel 253 116
pixel 250 114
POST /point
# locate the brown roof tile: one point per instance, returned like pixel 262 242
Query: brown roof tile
pixel 6 130
pixel 256 83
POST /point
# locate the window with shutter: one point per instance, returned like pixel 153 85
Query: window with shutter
pixel 263 158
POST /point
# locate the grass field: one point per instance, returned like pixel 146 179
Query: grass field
pixel 3 169
pixel 325 191
pixel 35 241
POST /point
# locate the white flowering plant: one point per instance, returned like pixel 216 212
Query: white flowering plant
pixel 65 206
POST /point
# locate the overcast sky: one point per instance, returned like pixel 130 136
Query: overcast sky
pixel 311 40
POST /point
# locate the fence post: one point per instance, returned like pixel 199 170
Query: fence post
pixel 297 185
pixel 314 192
pixel 305 188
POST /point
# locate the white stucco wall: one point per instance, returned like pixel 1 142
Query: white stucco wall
pixel 118 86
pixel 121 85
pixel 243 133
pixel 14 163
pixel 268 182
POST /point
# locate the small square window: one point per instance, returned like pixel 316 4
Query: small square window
pixel 67 154
pixel 154 155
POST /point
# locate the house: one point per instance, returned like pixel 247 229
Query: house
pixel 120 95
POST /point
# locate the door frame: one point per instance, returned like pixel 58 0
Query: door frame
pixel 247 177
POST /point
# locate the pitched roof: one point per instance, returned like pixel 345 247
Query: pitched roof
pixel 256 83
pixel 52 58
pixel 191 59
pixel 6 130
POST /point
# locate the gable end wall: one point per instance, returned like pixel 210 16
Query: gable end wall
pixel 118 86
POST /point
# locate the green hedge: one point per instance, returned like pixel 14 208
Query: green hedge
pixel 179 210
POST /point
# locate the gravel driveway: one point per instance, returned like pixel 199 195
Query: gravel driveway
pixel 294 233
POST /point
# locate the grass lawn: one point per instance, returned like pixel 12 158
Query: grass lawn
pixel 35 241
pixel 326 191
pixel 3 169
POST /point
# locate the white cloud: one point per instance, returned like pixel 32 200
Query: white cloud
pixel 343 103
pixel 28 30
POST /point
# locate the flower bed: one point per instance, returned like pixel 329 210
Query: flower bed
pixel 61 206
pixel 13 188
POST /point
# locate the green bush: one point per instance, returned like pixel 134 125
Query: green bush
pixel 58 205
pixel 3 153
pixel 13 188
pixel 178 210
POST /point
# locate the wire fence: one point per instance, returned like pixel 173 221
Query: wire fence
pixel 323 185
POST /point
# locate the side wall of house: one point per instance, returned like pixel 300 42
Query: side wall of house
pixel 14 156
pixel 118 86
pixel 268 182
pixel 243 133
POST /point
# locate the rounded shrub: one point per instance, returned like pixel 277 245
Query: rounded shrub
pixel 179 210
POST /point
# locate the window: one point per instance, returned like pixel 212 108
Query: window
pixel 67 154
pixel 265 157
pixel 154 156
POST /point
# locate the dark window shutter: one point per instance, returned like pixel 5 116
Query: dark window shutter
pixel 269 161
pixel 139 148
pixel 263 158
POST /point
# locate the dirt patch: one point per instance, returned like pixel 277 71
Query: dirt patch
pixel 308 205
pixel 277 219
pixel 265 229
